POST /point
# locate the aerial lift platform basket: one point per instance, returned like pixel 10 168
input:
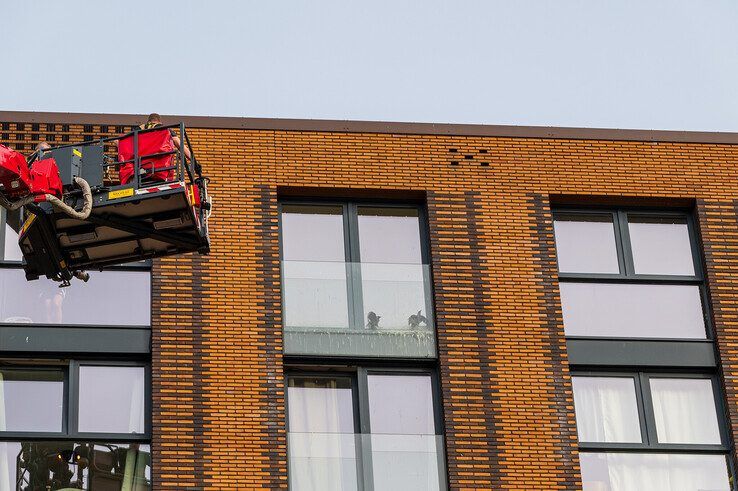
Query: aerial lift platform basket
pixel 159 205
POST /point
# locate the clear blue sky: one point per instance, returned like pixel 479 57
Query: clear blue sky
pixel 663 64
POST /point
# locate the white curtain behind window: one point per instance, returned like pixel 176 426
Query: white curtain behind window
pixel 606 409
pixel 322 448
pixel 685 410
pixel 653 472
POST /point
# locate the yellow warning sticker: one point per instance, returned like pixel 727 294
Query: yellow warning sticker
pixel 27 225
pixel 77 152
pixel 120 193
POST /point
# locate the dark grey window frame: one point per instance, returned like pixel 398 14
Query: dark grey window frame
pixel 352 252
pixel 625 260
pixel 647 422
pixel 70 411
pixel 360 398
pixel 647 419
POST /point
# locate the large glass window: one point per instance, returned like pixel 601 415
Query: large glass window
pixel 661 245
pixel 674 415
pixel 322 442
pixel 31 400
pixel 606 409
pixel 356 280
pixel 684 410
pixel 632 310
pixel 370 430
pixel 586 243
pixel 111 399
pixel 74 399
pixel 629 275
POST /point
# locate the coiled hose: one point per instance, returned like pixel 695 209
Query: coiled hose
pixel 86 195
pixel 56 202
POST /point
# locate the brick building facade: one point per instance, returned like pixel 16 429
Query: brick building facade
pixel 218 361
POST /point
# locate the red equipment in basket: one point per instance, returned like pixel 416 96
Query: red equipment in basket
pixel 151 142
pixel 14 176
pixel 18 181
pixel 45 179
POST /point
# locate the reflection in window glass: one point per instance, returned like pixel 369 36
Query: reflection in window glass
pixel 405 450
pixel 632 310
pixel 109 298
pixel 586 243
pixel 111 399
pixel 31 400
pixel 653 472
pixel 322 444
pixel 312 233
pixel 75 465
pixel 389 235
pixel 685 410
pixel 315 295
pixel 660 245
pixel 606 409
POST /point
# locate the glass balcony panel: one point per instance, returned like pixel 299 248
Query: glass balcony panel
pixel 397 295
pixel 323 315
pixel 407 462
pixel 323 461
pixel 632 310
pixel 85 466
pixel 315 295
pixel 341 461
pixel 109 298
pixel 654 472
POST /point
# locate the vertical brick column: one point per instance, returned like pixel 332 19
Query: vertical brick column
pixel 470 408
pixel 177 375
pixel 718 224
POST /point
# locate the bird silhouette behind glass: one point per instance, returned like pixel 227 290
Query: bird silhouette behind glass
pixel 415 320
pixel 372 320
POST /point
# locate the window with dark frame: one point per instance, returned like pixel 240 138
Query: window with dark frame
pixel 650 430
pixel 372 428
pixel 633 279
pixel 356 279
pixel 630 274
pixel 57 429
pixel 356 283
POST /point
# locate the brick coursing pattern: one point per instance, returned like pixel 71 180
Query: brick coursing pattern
pixel 718 227
pixel 219 420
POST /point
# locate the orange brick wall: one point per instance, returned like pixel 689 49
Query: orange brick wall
pixel 218 388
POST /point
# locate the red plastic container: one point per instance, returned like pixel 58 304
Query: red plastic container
pixel 14 174
pixel 151 142
pixel 45 179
